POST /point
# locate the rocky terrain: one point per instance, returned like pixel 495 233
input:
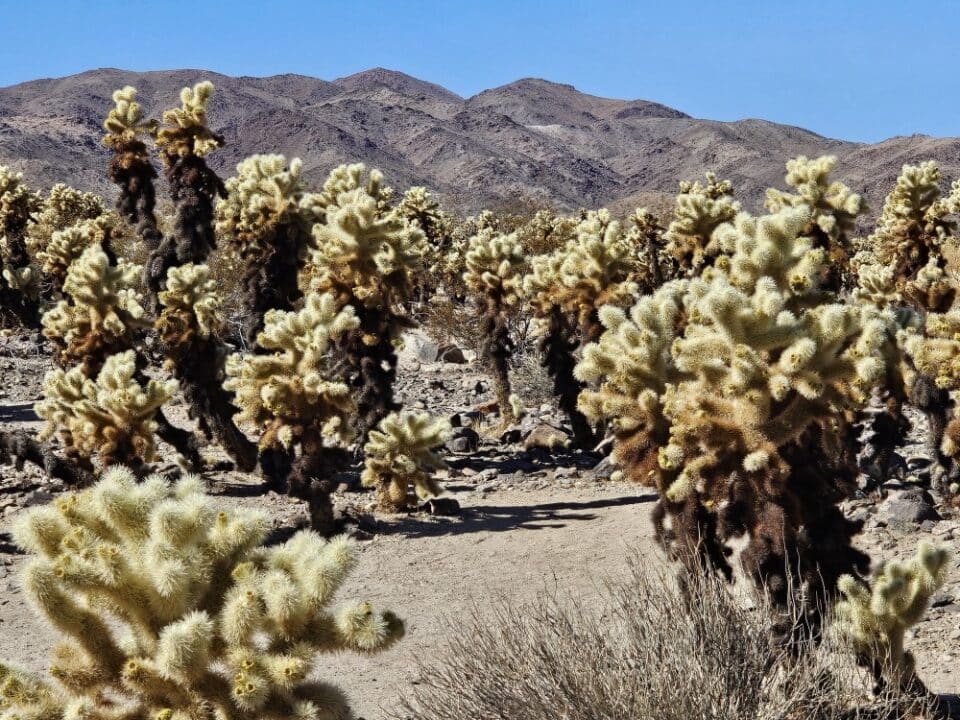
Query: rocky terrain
pixel 532 520
pixel 530 139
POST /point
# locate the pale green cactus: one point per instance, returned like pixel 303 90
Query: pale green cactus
pixel 171 608
pixel 401 458
pixel 875 618
pixel 124 123
pixel 18 276
pixel 63 247
pixel 62 208
pixel 111 418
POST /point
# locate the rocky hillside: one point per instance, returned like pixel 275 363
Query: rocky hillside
pixel 531 138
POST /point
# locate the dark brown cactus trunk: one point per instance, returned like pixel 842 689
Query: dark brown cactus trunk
pixel 270 279
pixel 558 346
pixel 496 349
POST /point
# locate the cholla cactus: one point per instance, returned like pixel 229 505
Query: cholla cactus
pixel 654 265
pixel 835 210
pixel 189 327
pixel 345 179
pixel 102 314
pixel 267 217
pixel 63 207
pixel 184 139
pixel 418 206
pixel 111 418
pixel 367 257
pixel 401 458
pixel 290 395
pixel 172 608
pixel 546 232
pixel 731 394
pixel 66 246
pixel 130 167
pixel 875 619
pixel 18 292
pixel 495 265
pixel 700 210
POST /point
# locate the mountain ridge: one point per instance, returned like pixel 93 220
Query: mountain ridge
pixel 531 139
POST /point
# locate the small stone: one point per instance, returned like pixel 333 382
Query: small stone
pixel 37 497
pixel 566 472
pixel 463 440
pixel 546 437
pixel 452 354
pixel 511 436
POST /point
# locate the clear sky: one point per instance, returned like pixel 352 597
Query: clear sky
pixel 855 70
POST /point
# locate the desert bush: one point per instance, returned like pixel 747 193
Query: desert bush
pixel 368 257
pixel 401 458
pixel 733 393
pixel 170 607
pixel 291 393
pixel 649 648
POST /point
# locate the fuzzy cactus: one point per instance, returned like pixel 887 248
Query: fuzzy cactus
pixel 401 458
pixel 495 266
pixel 875 618
pixel 184 140
pixel 368 257
pixel 731 394
pixel 419 207
pixel 266 218
pixel 102 313
pixel 835 211
pixel 700 209
pixel 62 208
pixel 111 418
pixel 189 327
pixel 172 608
pixel 65 246
pixel 293 398
pixel 130 167
pixel 18 278
pixel 654 265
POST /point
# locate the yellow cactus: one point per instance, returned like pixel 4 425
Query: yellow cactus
pixel 18 277
pixel 172 608
pixel 714 387
pixel 191 302
pixel 63 208
pixel 184 131
pixel 124 123
pixel 875 618
pixel 64 246
pixel 401 458
pixel 290 391
pixel 103 312
pixel 700 209
pixel 110 418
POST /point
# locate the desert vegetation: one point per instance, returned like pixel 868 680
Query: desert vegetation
pixel 756 371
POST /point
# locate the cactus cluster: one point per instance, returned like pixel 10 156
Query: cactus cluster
pixel 732 395
pixel 700 209
pixel 401 458
pixel 18 277
pixel 172 608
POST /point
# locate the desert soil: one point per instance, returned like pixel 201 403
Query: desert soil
pixel 532 523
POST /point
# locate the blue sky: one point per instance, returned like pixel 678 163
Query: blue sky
pixel 854 70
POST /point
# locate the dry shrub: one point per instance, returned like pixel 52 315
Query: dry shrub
pixel 648 649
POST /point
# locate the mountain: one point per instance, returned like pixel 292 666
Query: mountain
pixel 530 139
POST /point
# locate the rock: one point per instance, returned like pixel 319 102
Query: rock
pixel 511 436
pixel 566 472
pixel 916 462
pixel 908 508
pixel 451 354
pixel 546 437
pixel 443 506
pixel 418 346
pixel 456 420
pixel 463 440
pixel 602 470
pixel 37 497
pixel 480 387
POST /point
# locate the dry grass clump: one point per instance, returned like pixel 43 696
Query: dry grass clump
pixel 651 648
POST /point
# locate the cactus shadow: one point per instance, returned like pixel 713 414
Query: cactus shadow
pixel 505 518
pixel 18 412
